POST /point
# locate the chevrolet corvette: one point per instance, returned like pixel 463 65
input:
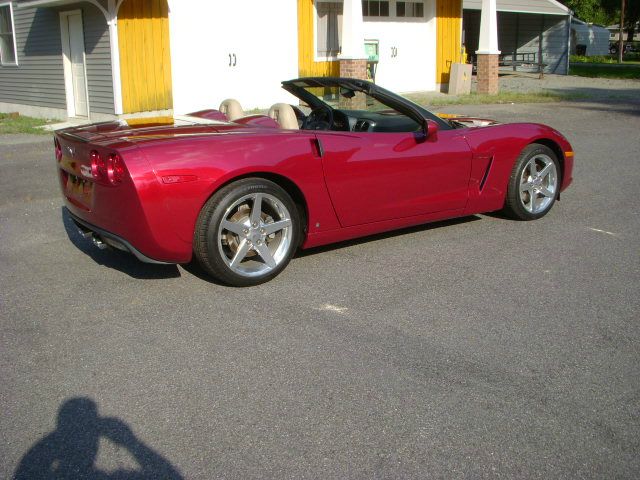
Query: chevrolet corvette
pixel 241 193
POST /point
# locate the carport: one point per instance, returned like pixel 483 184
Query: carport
pixel 531 33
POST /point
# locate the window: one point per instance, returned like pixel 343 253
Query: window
pixel 7 39
pixel 375 8
pixel 410 9
pixel 328 29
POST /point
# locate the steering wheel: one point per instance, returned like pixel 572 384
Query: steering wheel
pixel 320 118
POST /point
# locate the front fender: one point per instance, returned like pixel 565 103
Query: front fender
pixel 495 150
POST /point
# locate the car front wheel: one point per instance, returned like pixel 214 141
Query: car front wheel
pixel 247 232
pixel 534 183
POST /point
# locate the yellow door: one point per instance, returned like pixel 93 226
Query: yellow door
pixel 145 60
pixel 449 37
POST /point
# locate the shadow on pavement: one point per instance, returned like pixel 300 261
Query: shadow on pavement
pixel 621 101
pixel 112 258
pixel 70 451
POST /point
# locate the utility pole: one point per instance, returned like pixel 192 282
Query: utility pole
pixel 621 35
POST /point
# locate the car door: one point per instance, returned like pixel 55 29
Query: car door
pixel 372 177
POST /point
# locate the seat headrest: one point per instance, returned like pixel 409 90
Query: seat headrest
pixel 232 109
pixel 284 114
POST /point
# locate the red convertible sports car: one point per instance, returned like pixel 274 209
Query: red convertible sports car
pixel 242 193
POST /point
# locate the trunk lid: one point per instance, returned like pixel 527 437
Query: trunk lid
pixel 118 134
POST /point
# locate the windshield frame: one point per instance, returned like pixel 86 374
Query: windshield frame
pixel 382 95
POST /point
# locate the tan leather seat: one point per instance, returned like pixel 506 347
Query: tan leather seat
pixel 284 114
pixel 232 109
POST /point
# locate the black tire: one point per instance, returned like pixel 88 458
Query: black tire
pixel 516 205
pixel 213 249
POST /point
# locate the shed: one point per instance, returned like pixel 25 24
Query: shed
pixel 529 32
pixel 588 39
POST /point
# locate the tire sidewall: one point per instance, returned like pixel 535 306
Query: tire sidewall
pixel 514 203
pixel 212 215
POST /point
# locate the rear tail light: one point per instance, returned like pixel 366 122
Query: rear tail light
pixel 58 149
pixel 111 170
pixel 115 169
pixel 98 167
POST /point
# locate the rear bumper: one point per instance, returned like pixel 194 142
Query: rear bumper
pixel 111 239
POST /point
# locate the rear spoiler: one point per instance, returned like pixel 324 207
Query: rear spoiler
pixel 71 136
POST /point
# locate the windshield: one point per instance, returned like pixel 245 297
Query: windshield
pixel 343 97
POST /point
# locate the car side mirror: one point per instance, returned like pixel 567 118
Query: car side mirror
pixel 430 129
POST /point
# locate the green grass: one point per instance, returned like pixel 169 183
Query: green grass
pixel 593 59
pixel 503 97
pixel 606 70
pixel 21 124
pixel 629 58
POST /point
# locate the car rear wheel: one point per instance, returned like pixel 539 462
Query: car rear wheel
pixel 534 183
pixel 247 232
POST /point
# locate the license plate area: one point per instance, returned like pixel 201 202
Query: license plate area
pixel 77 189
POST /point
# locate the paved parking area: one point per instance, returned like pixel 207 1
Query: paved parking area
pixel 477 348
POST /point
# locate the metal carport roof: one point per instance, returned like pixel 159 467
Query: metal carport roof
pixel 545 7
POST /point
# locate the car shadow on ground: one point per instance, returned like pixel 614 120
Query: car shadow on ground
pixel 196 270
pixel 116 259
pixel 381 236
pixel 130 265
pixel 71 450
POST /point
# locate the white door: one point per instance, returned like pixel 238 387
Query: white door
pixel 232 49
pixel 75 71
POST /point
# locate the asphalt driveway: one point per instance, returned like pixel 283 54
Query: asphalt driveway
pixel 482 347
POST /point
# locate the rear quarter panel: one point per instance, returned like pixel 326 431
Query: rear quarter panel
pixel 211 161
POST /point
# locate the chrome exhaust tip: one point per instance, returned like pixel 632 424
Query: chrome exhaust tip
pixel 85 233
pixel 97 241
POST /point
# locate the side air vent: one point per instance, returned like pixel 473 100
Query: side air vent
pixel 362 126
pixel 486 174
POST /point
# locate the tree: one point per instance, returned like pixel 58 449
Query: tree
pixel 607 12
pixel 601 12
pixel 632 16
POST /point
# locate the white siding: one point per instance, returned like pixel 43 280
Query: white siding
pixel 407 50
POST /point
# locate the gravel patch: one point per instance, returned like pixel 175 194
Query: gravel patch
pixel 594 87
pixel 583 88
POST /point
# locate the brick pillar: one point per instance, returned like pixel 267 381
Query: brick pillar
pixel 354 68
pixel 488 73
pixel 351 68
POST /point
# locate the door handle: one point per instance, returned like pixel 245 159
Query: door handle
pixel 235 60
pixel 229 59
pixel 316 147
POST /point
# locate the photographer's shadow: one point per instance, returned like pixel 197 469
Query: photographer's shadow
pixel 70 451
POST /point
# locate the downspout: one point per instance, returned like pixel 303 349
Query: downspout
pixel 569 41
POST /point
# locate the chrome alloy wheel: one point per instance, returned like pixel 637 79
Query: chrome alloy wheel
pixel 538 184
pixel 255 234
